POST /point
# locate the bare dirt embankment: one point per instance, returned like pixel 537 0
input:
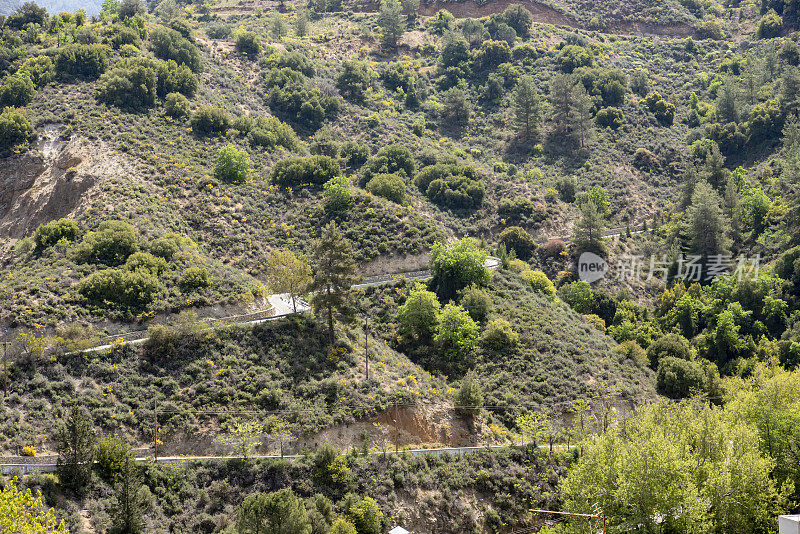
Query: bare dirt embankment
pixel 543 14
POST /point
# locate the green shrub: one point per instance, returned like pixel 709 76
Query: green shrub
pixel 248 42
pixel 468 398
pixel 418 317
pixel 330 466
pixel 354 154
pixel 391 159
pixel 354 80
pixel 81 60
pixel 14 128
pixel 517 239
pixel 677 378
pixel 539 282
pixel 16 91
pixel 610 117
pixel 169 245
pixel 518 209
pixel 365 514
pixel 663 110
pixel 630 350
pixel 337 194
pixel 170 44
pixel 195 278
pixel 302 172
pixel 270 132
pixel 389 186
pixel 572 57
pixel 119 35
pixel 131 86
pixel 112 453
pixel 233 164
pixel 218 30
pixel 456 108
pixel 128 51
pixel 770 25
pixel 451 185
pixel 145 261
pixel 499 335
pixel 669 346
pixel 457 335
pixel 51 233
pixel 40 69
pixel 210 120
pixel 456 267
pixel 477 303
pixel 110 245
pixel 133 290
pixel 176 105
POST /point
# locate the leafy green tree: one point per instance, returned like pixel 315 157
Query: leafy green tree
pixel 669 346
pixel 21 511
pixel 81 60
pixel 468 399
pixel 354 80
pixel 16 91
pixel 539 282
pixel 337 196
pixel 110 244
pixel 365 514
pixel 418 317
pixel 391 22
pixel 333 274
pixel 75 444
pixel 330 466
pixel 518 18
pixel 233 164
pixel 533 427
pixel 527 108
pixel 457 335
pixel 287 273
pixel 708 226
pixel 210 120
pixel 454 268
pixel 170 44
pixel 112 454
pixel 517 239
pixel 342 526
pixel 243 437
pixel 248 42
pixel 610 117
pixel 677 378
pixel 477 302
pixel 279 512
pixel 652 473
pixel 126 513
pixel 456 108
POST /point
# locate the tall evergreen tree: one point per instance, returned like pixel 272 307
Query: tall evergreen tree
pixel 588 233
pixel 75 444
pixel 562 103
pixel 708 225
pixel 714 171
pixel 390 21
pixel 727 103
pixel 126 514
pixel 334 273
pixel 526 108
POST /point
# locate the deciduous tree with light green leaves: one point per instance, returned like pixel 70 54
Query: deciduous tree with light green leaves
pixel 681 467
pixel 418 317
pixel 457 267
pixel 22 512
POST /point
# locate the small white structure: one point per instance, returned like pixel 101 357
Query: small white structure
pixel 789 524
pixel 401 530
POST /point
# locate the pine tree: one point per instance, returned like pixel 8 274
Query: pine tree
pixel 75 444
pixel 562 102
pixel 526 108
pixel 714 171
pixel 334 273
pixel 727 103
pixel 687 188
pixel 588 234
pixel 127 511
pixel 390 21
pixel 582 113
pixel 708 225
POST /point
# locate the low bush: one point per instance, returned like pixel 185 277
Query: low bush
pixel 389 186
pixel 14 128
pixel 499 335
pixel 81 60
pixel 539 282
pixel 170 44
pixel 51 233
pixel 195 278
pixel 248 42
pixel 110 244
pixel 610 117
pixel 16 91
pixel 302 172
pixel 517 239
pixel 176 106
pixel 210 120
pixel 132 290
pixel 451 185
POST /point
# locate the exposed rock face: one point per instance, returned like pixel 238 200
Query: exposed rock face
pixel 44 184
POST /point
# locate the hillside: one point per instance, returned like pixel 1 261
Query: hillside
pixel 631 167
